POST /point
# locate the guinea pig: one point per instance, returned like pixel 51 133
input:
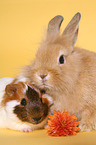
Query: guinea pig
pixel 22 106
pixel 67 73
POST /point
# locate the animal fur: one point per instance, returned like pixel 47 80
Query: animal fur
pixel 72 85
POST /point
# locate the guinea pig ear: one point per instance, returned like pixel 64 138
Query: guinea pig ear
pixel 54 26
pixel 71 31
pixel 11 89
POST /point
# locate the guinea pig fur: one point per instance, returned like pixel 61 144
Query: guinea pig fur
pixel 66 73
pixel 21 106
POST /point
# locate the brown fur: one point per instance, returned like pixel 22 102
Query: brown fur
pixel 13 92
pixel 34 108
pixel 72 85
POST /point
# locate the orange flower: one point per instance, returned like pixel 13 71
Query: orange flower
pixel 62 124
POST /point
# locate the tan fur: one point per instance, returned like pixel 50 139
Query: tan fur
pixel 72 85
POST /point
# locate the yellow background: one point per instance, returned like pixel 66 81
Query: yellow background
pixel 22 25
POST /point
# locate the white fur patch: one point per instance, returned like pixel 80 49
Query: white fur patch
pixel 6 114
pixel 21 78
pixel 49 98
pixel 25 89
pixel 3 83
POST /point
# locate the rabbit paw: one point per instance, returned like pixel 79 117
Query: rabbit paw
pixel 84 127
pixel 94 125
pixel 88 121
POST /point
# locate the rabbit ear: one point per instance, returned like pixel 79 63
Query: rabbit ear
pixel 54 26
pixel 71 31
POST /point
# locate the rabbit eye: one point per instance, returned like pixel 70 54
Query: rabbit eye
pixel 61 59
pixel 23 102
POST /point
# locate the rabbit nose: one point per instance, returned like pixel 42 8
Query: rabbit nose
pixel 43 76
pixel 37 119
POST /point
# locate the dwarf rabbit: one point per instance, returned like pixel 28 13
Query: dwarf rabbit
pixel 22 106
pixel 66 73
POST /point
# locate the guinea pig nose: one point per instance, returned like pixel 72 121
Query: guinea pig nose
pixel 43 76
pixel 37 119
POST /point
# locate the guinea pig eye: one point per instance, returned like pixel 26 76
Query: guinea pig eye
pixel 61 59
pixel 23 102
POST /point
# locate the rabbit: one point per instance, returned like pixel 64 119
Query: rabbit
pixel 65 72
pixel 22 106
